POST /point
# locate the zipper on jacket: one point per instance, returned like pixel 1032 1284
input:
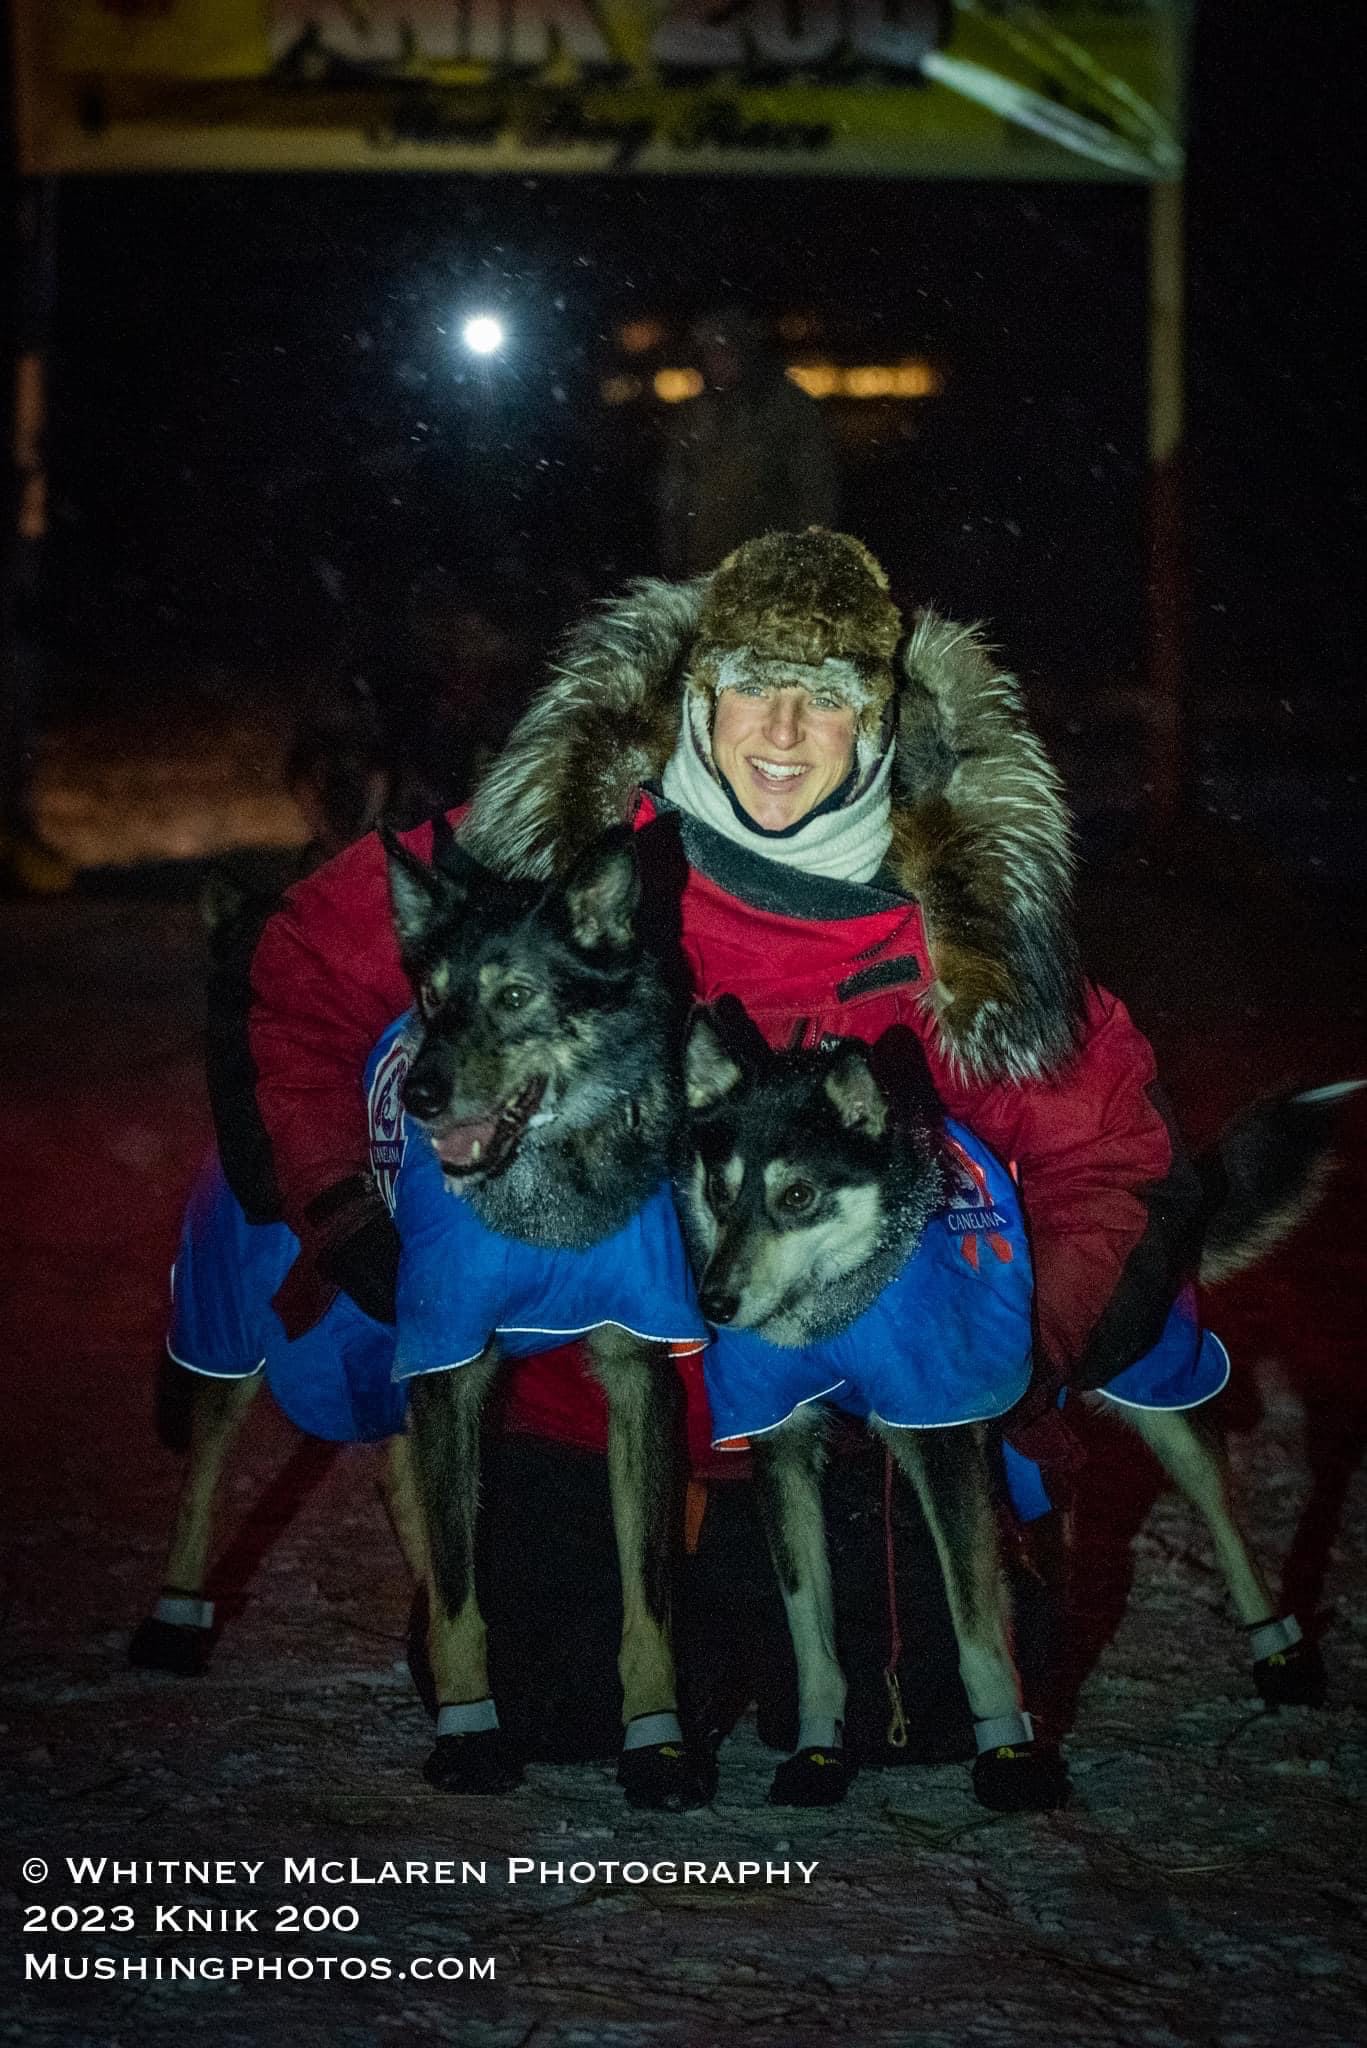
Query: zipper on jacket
pixel 883 974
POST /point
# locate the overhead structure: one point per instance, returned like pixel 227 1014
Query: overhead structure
pixel 912 88
pixel 1062 89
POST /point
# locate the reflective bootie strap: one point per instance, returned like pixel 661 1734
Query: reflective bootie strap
pixel 471 1717
pixel 1267 1638
pixel 181 1610
pixel 648 1731
pixel 1003 1731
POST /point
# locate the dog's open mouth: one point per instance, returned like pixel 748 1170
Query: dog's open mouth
pixel 485 1144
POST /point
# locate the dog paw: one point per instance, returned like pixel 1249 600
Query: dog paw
pixel 665 1777
pixel 170 1646
pixel 1292 1678
pixel 814 1777
pixel 473 1766
pixel 1021 1778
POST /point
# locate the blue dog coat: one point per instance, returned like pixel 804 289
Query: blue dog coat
pixel 949 1339
pixel 459 1285
pixel 1187 1366
pixel 334 1381
pixel 459 1281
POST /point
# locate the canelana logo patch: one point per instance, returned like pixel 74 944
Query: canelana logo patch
pixel 387 1135
pixel 968 1211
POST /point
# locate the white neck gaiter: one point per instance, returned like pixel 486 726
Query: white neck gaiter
pixel 845 845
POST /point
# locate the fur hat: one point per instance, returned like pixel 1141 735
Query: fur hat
pixel 790 603
pixel 981 835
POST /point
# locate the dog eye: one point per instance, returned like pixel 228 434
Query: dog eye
pixel 428 999
pixel 799 1194
pixel 718 1194
pixel 514 996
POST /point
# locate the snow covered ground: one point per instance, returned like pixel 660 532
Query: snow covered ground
pixel 1207 1885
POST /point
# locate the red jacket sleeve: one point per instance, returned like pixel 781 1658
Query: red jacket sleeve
pixel 1106 1191
pixel 325 981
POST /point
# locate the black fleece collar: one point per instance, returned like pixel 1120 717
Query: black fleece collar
pixel 833 802
pixel 772 885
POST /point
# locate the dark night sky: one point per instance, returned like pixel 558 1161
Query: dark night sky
pixel 248 378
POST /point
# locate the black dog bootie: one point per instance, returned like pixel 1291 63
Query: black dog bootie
pixel 664 1777
pixel 1288 1671
pixel 812 1777
pixel 473 1766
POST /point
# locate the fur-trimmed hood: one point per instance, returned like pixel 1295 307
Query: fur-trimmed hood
pixel 981 835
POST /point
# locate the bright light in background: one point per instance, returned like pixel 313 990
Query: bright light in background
pixel 911 378
pixel 638 336
pixel 674 385
pixel 482 334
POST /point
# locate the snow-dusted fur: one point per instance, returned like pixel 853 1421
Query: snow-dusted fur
pixel 606 721
pixel 981 834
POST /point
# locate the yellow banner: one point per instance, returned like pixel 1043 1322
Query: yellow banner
pixel 916 88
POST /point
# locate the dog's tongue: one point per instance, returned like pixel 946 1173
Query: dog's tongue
pixel 456 1146
pixel 484 1144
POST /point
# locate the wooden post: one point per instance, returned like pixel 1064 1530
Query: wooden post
pixel 25 864
pixel 1165 569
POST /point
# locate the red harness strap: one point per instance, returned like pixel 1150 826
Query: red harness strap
pixel 897 1723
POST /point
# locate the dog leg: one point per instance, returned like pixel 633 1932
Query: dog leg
pixel 1190 1445
pixel 948 1468
pixel 788 1465
pixel 654 1769
pixel 398 1490
pixel 178 1635
pixel 470 1755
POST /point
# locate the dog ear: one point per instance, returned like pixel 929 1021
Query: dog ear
pixel 450 858
pixel 858 1100
pixel 602 893
pixel 418 894
pixel 710 1073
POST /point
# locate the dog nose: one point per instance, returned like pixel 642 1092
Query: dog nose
pixel 719 1305
pixel 424 1094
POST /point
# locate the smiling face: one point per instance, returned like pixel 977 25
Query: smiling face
pixel 783 746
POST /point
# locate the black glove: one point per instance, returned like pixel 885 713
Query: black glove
pixel 347 1240
pixel 365 1265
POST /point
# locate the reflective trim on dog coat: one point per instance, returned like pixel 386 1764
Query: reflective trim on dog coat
pixel 974 1361
pixel 948 1341
pixel 1186 1367
pixel 461 1285
pixel 225 1269
pixel 333 1382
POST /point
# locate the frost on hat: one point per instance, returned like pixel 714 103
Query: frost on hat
pixel 791 602
pixel 806 600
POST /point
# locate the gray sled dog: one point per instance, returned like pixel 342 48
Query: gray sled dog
pixel 546 1079
pixel 804 1194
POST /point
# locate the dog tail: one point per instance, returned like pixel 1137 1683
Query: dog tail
pixel 1265 1174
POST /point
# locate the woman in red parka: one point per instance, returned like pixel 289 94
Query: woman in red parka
pixel 853 829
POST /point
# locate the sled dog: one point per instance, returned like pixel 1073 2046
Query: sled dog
pixel 808 1200
pixel 545 1079
pixel 540 1083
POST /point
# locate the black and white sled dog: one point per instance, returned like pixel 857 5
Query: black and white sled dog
pixel 547 1080
pixel 804 1193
